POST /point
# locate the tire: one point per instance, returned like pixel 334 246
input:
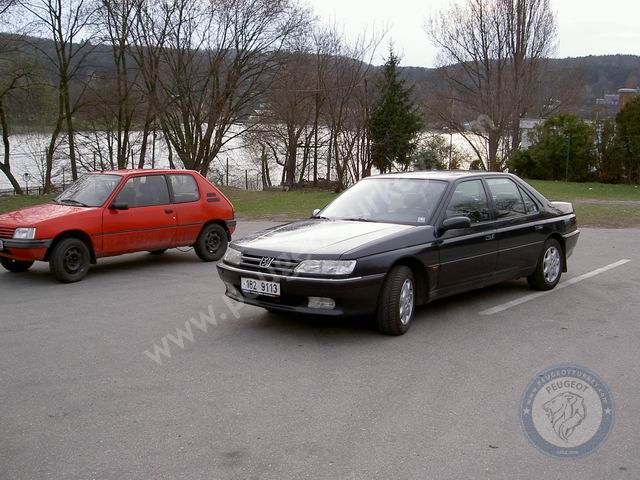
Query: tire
pixel 398 294
pixel 70 260
pixel 549 267
pixel 212 243
pixel 15 266
pixel 158 252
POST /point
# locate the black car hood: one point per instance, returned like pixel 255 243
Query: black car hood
pixel 320 237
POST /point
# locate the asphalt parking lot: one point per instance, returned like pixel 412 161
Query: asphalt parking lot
pixel 262 396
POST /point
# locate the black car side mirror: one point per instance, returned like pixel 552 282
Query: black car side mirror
pixel 119 206
pixel 455 223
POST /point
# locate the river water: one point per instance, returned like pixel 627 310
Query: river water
pixel 28 153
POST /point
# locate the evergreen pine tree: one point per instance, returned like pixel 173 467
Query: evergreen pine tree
pixel 395 122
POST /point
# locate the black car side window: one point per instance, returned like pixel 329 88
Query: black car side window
pixel 469 200
pixel 529 203
pixel 506 198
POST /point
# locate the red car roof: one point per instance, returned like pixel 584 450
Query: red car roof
pixel 125 172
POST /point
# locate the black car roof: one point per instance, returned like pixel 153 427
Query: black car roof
pixel 448 175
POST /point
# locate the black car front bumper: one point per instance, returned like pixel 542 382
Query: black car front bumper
pixel 352 296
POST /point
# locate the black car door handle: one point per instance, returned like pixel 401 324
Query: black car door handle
pixel 490 237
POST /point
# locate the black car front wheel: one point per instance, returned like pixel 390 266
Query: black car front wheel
pixel 397 302
pixel 70 260
pixel 15 266
pixel 549 267
pixel 212 243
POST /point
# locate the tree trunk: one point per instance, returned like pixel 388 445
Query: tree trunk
pixel 266 177
pixel 493 145
pixel 315 140
pixel 51 149
pixel 330 153
pixel 64 88
pixel 292 157
pixel 6 166
pixel 148 119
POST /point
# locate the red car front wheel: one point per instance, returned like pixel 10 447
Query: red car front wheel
pixel 15 266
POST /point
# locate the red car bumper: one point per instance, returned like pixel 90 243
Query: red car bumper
pixel 24 249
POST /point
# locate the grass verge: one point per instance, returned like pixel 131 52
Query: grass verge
pixel 279 205
pixel 570 192
pixel 15 202
pixel 294 205
pixel 607 215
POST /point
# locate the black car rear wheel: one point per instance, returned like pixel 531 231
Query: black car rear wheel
pixel 70 260
pixel 549 268
pixel 212 243
pixel 15 266
pixel 397 302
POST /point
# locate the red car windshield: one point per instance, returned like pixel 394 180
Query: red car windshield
pixel 90 190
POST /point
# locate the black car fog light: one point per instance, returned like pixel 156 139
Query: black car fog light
pixel 322 303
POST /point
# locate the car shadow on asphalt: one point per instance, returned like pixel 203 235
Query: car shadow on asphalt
pixel 434 315
pixel 110 267
pixel 128 263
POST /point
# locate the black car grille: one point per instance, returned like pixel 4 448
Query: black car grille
pixel 280 266
pixel 6 232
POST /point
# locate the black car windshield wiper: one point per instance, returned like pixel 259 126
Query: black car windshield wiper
pixel 72 202
pixel 358 219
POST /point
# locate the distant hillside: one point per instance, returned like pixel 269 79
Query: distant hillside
pixel 591 76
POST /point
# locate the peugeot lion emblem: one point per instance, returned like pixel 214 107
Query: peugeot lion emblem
pixel 266 262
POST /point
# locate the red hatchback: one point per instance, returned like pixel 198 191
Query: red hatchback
pixel 111 213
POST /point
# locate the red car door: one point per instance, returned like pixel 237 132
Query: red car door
pixel 188 205
pixel 140 218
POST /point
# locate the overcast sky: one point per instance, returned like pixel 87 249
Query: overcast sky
pixel 585 26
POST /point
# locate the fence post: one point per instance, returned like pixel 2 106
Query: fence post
pixel 246 180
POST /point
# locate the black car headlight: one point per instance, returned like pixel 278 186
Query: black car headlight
pixel 233 256
pixel 326 267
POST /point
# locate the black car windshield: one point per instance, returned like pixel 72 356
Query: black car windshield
pixel 89 191
pixel 389 200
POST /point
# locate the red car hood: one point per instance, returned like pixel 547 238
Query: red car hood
pixel 32 216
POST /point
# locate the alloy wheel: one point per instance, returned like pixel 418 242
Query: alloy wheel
pixel 551 264
pixel 406 301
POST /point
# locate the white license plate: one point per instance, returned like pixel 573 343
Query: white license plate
pixel 260 287
pixel 1 245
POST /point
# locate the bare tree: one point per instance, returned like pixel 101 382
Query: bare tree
pixel 492 52
pixel 290 104
pixel 63 22
pixel 12 79
pixel 117 20
pixel 531 39
pixel 216 62
pixel 345 86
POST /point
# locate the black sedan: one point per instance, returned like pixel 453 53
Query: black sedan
pixel 393 242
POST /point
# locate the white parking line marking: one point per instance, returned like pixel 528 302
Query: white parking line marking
pixel 568 283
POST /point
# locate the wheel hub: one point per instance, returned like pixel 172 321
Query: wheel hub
pixel 551 264
pixel 212 242
pixel 73 260
pixel 406 301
